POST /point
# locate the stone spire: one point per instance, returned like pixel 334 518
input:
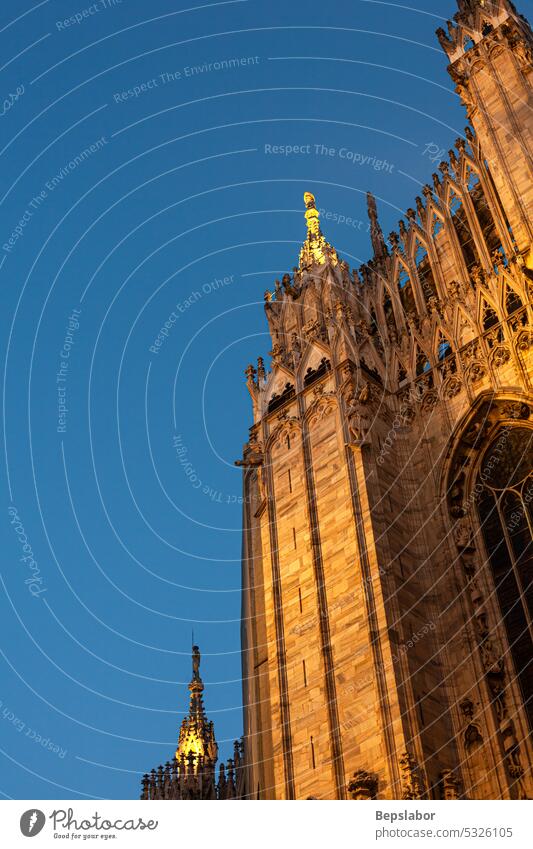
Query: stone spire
pixel 376 233
pixel 197 735
pixel 191 772
pixel 315 250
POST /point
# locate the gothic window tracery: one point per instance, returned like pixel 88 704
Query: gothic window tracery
pixel 436 225
pixel 484 214
pixel 512 301
pixel 488 316
pixel 462 228
pixel 443 248
pixel 405 289
pixel 505 510
pixel 422 362
pixel 444 349
pixel 425 272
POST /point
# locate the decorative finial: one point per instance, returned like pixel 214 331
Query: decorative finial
pixel 316 250
pixel 312 216
pixel 376 233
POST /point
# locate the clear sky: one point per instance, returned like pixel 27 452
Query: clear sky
pixel 151 190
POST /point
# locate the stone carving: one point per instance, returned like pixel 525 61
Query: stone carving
pixel 413 785
pixel 464 535
pixel 516 410
pixel 429 400
pixel 452 387
pixel 363 785
pixel 450 785
pixel 501 356
pixel 357 415
pixel 278 354
pixel 525 341
pixel 476 372
pixel 323 405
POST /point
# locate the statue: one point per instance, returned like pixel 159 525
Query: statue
pixel 195 663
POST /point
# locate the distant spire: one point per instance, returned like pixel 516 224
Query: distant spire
pixel 197 735
pixel 376 233
pixel 316 250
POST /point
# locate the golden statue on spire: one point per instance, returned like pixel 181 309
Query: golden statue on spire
pixel 315 250
pixel 197 736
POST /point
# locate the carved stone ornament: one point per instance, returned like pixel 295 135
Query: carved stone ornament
pixel 363 785
pixel 463 535
pixel 429 400
pixel 323 405
pixel 408 413
pixel 413 786
pixel 278 353
pixel 458 291
pixel 312 329
pixel 452 387
pixel 476 372
pixel 467 708
pixel 289 427
pixel 501 356
pixel 516 410
pixel 525 340
pixel 450 785
pixel 357 415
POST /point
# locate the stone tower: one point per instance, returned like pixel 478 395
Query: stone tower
pixel 387 546
pixel 490 53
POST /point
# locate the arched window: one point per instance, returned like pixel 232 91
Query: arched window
pixel 425 273
pixel 422 362
pixel 488 316
pixel 505 509
pixel 512 301
pixel 444 349
pixel 464 233
pixel 436 225
pixel 484 214
pixel 405 289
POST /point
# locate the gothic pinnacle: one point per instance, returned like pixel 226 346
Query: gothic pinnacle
pixel 316 250
pixel 376 233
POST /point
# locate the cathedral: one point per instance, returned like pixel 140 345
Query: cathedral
pixel 387 579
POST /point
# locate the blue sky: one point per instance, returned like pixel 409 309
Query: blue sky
pixel 144 175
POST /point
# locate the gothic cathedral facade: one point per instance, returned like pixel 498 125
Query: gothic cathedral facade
pixel 388 487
